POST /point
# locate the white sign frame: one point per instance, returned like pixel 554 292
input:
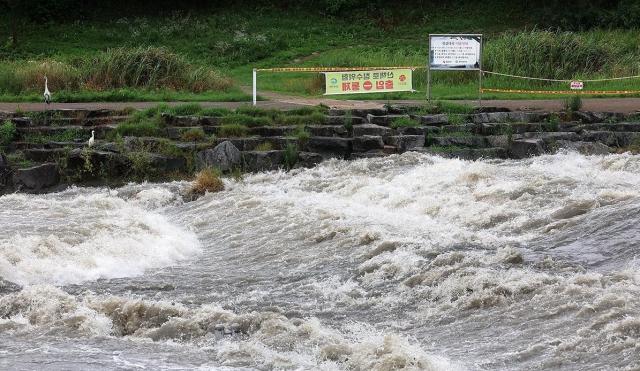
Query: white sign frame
pixel 464 68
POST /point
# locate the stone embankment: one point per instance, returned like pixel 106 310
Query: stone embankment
pixel 50 151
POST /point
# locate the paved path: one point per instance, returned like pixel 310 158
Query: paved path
pixel 280 101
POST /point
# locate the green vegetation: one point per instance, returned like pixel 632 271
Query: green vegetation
pixel 233 131
pixel 138 129
pixel 246 120
pixel 67 135
pixel 186 51
pixel 266 146
pixel 7 133
pixel 573 103
pixel 404 122
pixel 290 156
pixel 193 135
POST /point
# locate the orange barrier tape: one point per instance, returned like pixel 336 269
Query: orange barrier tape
pixel 562 92
pixel 332 69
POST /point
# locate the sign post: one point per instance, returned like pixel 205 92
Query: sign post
pixel 455 52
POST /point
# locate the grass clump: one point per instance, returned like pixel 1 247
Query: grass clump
pixel 439 107
pixel 404 122
pixel 247 120
pixel 266 146
pixel 290 156
pixel 150 67
pixel 193 135
pixel 315 118
pixel 233 131
pixel 188 109
pixel 207 180
pixel 573 103
pixel 147 128
pixel 215 112
pixel 8 133
pixel 302 134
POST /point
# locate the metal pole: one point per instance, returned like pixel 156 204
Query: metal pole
pixel 480 76
pixel 429 71
pixel 255 86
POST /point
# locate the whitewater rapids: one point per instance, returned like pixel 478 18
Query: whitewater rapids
pixel 405 262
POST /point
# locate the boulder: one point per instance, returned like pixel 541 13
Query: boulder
pixel 225 156
pixel 459 141
pixel 327 130
pixel 407 142
pixel 168 164
pixel 435 120
pixel 7 287
pixel 370 129
pixel 262 160
pixel 330 147
pixel 523 148
pixel 367 142
pixel 308 159
pixel 93 162
pixel 584 148
pixel 384 120
pixel 38 177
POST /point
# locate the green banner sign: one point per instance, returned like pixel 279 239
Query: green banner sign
pixel 376 81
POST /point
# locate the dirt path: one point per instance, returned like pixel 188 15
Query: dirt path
pixel 281 101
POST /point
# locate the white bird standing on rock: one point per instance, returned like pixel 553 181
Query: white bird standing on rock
pixel 92 140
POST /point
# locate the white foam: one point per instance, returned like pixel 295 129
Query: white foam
pixel 60 239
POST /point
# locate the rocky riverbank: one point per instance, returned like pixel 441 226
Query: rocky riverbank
pixel 50 151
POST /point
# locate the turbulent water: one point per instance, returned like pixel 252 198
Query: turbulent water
pixel 408 261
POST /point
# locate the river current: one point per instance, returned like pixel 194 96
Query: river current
pixel 410 261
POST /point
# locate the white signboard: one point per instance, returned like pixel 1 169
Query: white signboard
pixel 455 52
pixel 577 85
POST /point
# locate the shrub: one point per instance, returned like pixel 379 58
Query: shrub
pixel 404 122
pixel 266 146
pixel 193 135
pixel 302 134
pixel 207 180
pixel 573 103
pixel 7 133
pixel 232 130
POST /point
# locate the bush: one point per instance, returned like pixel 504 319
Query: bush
pixel 207 180
pixel 573 103
pixel 7 133
pixel 232 130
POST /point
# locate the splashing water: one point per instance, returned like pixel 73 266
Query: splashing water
pixel 404 262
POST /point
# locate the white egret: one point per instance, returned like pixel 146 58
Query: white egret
pixel 47 93
pixel 92 140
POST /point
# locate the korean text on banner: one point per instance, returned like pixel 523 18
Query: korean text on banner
pixel 454 52
pixel 377 81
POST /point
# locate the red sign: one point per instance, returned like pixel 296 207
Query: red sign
pixel 403 77
pixel 367 85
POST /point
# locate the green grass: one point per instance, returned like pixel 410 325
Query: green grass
pixel 207 56
pixel 404 122
pixel 68 135
pixel 7 133
pixel 233 131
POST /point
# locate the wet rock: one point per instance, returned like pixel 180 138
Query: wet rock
pixel 308 159
pixel 167 163
pixel 523 148
pixel 225 156
pixel 38 177
pixel 407 142
pixel 5 172
pixel 584 148
pixel 368 154
pixel 327 130
pixel 462 141
pixel 370 129
pixel 435 120
pixel 262 160
pixel 7 287
pixel 367 142
pixel 330 147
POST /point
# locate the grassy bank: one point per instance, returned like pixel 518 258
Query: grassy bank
pixel 208 56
